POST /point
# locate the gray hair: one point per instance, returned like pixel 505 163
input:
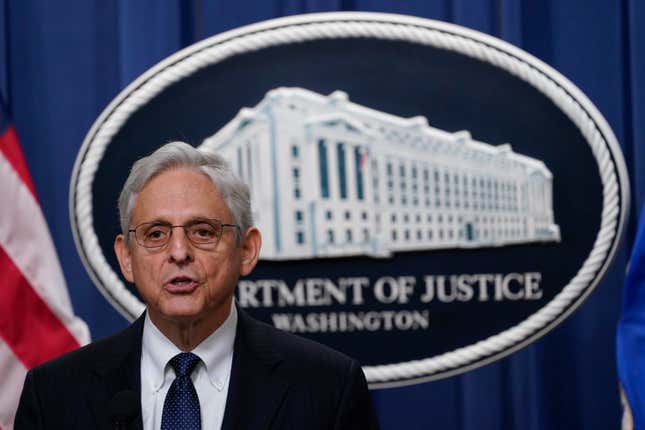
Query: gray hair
pixel 176 155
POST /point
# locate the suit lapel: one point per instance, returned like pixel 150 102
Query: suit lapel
pixel 255 390
pixel 118 370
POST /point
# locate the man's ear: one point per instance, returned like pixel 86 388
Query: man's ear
pixel 122 251
pixel 251 243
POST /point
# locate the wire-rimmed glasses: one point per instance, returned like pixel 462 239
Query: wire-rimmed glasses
pixel 200 232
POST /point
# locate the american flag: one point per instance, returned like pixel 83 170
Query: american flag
pixel 37 322
pixel 630 336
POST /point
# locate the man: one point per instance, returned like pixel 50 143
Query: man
pixel 193 360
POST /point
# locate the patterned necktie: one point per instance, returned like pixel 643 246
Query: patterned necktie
pixel 181 407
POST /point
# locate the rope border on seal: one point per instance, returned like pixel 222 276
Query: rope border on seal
pixel 385 27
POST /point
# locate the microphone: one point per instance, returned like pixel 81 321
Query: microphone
pixel 124 408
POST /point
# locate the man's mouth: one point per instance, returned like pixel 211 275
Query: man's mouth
pixel 181 285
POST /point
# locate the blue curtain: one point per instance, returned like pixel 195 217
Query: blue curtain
pixel 62 62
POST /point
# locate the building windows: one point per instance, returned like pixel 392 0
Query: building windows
pixel 366 235
pixel 300 237
pixel 322 163
pixel 348 236
pixel 375 181
pixel 348 215
pixel 415 187
pixel 403 185
pixel 390 183
pixel 296 182
pixel 329 215
pixel 342 170
pixel 299 216
pixel 295 152
pixel 330 236
pixel 358 167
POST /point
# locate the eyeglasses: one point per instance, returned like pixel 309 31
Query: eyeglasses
pixel 199 232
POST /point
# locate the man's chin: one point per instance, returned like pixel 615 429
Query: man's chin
pixel 180 309
pixel 186 309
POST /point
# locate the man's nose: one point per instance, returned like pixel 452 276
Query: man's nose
pixel 179 247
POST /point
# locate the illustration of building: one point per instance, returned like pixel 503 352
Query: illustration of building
pixel 329 177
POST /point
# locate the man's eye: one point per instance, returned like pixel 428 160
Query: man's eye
pixel 155 233
pixel 202 232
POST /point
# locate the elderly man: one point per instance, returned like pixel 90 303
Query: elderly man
pixel 193 360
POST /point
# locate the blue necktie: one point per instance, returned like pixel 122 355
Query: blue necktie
pixel 181 407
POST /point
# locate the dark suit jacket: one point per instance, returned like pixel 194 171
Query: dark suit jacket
pixel 278 381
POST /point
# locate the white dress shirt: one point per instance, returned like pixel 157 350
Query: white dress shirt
pixel 210 377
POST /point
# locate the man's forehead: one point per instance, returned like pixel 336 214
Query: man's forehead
pixel 179 193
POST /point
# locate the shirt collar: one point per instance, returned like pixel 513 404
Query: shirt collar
pixel 216 351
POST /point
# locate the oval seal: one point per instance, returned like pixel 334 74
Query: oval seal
pixel 431 199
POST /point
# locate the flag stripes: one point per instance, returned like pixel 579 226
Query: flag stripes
pixel 27 324
pixel 10 148
pixel 37 322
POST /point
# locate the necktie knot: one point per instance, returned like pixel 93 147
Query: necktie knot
pixel 184 363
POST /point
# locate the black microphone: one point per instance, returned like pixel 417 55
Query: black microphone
pixel 124 408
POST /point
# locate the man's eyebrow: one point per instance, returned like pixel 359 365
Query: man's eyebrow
pixel 193 220
pixel 200 219
pixel 157 221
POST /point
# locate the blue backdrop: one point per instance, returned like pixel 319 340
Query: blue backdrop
pixel 62 62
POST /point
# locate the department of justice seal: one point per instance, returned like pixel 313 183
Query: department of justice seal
pixel 431 199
